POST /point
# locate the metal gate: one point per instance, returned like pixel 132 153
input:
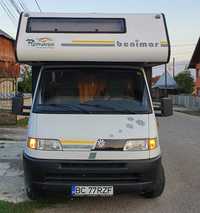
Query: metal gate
pixel 7 91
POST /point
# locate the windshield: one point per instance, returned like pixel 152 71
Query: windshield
pixel 92 91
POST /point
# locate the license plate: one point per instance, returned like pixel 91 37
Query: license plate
pixel 91 190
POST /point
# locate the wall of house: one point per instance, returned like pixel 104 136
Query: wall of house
pixel 9 69
pixel 197 82
pixel 7 50
pixel 8 66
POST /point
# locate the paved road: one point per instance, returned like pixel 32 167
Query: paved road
pixel 180 141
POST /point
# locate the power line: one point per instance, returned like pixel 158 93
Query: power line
pixel 5 10
pixel 24 5
pixel 13 3
pixel 8 12
pixel 38 6
pixel 21 5
pixel 12 7
pixel 8 7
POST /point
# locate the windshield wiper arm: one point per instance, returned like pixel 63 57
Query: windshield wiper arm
pixel 98 106
pixel 66 106
pixel 119 109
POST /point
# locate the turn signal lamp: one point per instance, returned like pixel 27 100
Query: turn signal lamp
pixel 152 144
pixel 32 143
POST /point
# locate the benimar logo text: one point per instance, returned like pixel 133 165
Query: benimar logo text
pixel 141 44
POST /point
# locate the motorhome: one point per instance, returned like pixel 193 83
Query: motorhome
pixel 92 127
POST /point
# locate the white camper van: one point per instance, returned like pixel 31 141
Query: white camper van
pixel 92 128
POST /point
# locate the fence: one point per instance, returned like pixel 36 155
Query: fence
pixel 7 91
pixel 6 115
pixel 188 101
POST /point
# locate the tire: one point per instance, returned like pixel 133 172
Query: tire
pixel 158 186
pixel 34 194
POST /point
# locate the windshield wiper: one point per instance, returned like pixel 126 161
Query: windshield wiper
pixel 65 107
pixel 80 108
pixel 98 106
pixel 114 109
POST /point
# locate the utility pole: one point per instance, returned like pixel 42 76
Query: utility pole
pixel 173 67
pixel 166 93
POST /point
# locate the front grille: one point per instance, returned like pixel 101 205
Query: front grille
pixel 92 177
pixel 93 165
pixel 91 171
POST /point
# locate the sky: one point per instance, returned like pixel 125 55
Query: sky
pixel 182 19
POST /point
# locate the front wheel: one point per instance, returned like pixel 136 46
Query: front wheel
pixel 34 194
pixel 158 185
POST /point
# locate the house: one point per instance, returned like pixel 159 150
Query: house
pixel 9 69
pixel 195 64
pixel 154 80
pixel 163 84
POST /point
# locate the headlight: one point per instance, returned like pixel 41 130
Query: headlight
pixel 136 145
pixel 140 145
pixel 44 144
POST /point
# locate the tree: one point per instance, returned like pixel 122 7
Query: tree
pixel 185 82
pixel 25 85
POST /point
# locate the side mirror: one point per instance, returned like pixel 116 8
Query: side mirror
pixel 166 107
pixel 17 104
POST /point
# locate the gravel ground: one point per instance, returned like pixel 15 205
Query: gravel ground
pixel 180 142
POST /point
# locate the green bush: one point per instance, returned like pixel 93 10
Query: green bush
pixel 25 86
pixel 185 82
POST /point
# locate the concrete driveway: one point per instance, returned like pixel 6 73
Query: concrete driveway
pixel 12 141
pixel 180 141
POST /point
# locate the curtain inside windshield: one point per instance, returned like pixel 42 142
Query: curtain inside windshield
pixel 92 91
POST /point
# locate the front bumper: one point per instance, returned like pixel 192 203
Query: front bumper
pixel 59 175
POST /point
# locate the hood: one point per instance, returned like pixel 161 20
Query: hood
pixel 89 127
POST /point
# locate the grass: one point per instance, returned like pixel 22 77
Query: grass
pixel 29 206
pixel 32 206
pixel 24 207
pixel 22 122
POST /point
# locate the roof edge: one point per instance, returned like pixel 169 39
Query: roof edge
pixel 6 35
pixel 195 54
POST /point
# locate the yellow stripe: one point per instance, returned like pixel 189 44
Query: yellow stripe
pixel 163 42
pixel 93 41
pixel 77 142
